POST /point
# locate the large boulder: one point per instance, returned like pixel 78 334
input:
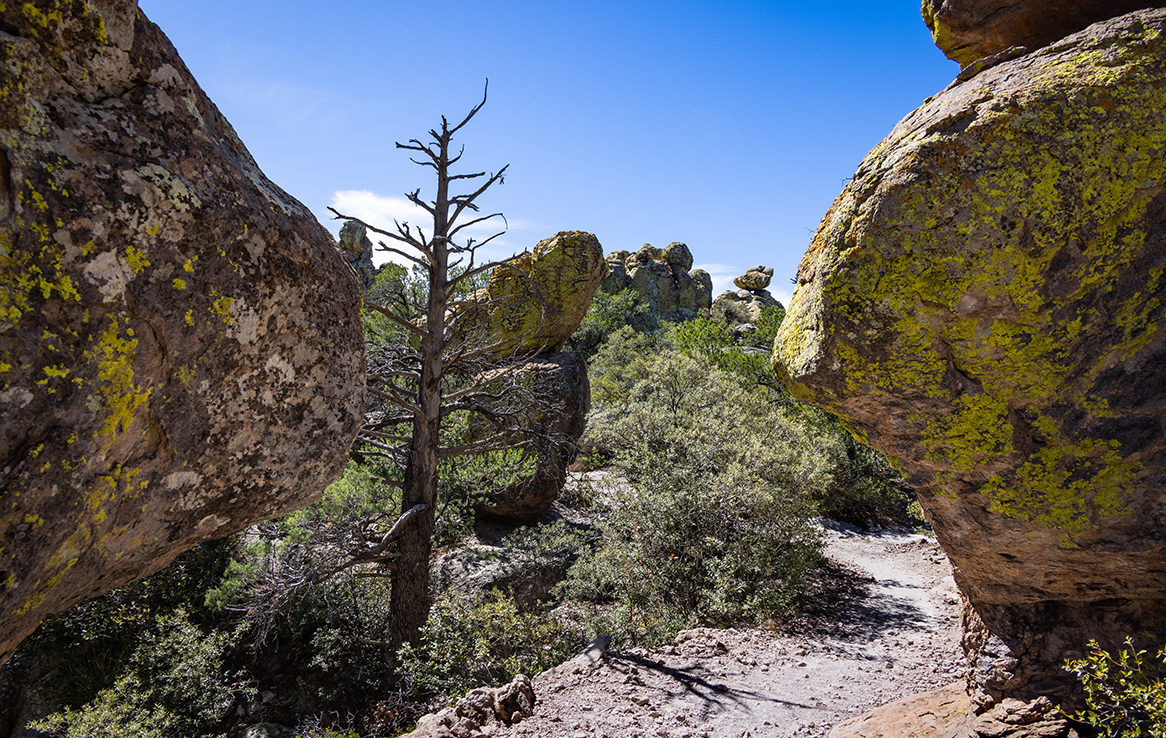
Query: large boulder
pixel 180 343
pixel 986 303
pixel 967 30
pixel 561 395
pixel 535 304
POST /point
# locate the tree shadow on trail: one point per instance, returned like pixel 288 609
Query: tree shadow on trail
pixel 845 604
pixel 702 684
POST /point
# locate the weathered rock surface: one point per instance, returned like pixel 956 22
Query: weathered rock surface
pixel 985 302
pixel 357 249
pixel 180 344
pixel 562 393
pixel 966 30
pixel 662 277
pixel 755 278
pixel 536 306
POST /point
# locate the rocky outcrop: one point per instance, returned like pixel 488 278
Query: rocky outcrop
pixel 985 302
pixel 561 395
pixel 534 305
pixel 967 30
pixel 357 249
pixel 662 277
pixel 180 343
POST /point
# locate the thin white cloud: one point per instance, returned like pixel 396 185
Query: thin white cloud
pixel 381 211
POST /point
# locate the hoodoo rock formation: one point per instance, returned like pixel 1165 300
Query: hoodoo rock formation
pixel 744 306
pixel 663 278
pixel 986 303
pixel 180 345
pixel 967 30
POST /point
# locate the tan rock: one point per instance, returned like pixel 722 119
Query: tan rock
pixel 755 278
pixel 180 344
pixel 945 712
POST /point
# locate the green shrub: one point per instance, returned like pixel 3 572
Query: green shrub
pixel 606 315
pixel 486 640
pixel 1125 691
pixel 715 524
pixel 174 685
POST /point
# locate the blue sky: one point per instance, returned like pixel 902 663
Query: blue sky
pixel 730 126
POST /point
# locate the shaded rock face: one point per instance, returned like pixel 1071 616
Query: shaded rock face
pixel 985 303
pixel 357 249
pixel 537 306
pixel 967 30
pixel 563 393
pixel 662 277
pixel 180 344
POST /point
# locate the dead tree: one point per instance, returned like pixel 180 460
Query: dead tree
pixel 444 365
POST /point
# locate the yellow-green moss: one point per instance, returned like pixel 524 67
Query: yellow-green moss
pixel 113 352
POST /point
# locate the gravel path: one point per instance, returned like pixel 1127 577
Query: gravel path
pixel 883 624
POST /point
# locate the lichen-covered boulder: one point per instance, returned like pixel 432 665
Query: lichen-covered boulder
pixel 967 30
pixel 986 303
pixel 180 343
pixel 534 306
pixel 755 278
pixel 561 395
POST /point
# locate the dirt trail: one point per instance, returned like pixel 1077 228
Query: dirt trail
pixel 883 624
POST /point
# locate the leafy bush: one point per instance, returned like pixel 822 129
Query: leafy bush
pixel 715 524
pixel 1125 692
pixel 174 685
pixel 606 315
pixel 487 640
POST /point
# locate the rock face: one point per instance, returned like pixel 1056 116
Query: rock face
pixel 662 277
pixel 985 302
pixel 967 30
pixel 535 307
pixel 180 344
pixel 563 394
pixel 357 250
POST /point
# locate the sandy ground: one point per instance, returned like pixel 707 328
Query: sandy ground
pixel 883 624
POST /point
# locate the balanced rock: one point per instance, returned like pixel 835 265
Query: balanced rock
pixel 357 250
pixel 562 395
pixel 534 305
pixel 755 278
pixel 180 344
pixel 967 30
pixel 678 255
pixel 985 302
